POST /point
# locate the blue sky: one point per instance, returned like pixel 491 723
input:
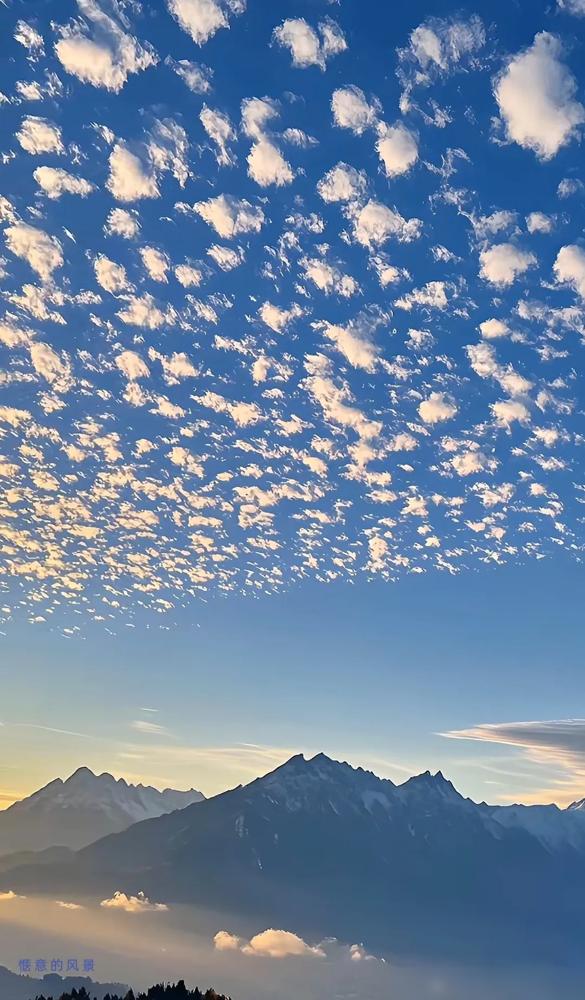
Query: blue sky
pixel 291 325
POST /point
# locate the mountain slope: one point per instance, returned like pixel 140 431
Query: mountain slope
pixel 324 849
pixel 86 806
pixel 19 987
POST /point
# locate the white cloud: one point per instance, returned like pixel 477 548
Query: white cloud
pixel 438 407
pixel 55 182
pixel 329 278
pixel 491 329
pixel 230 216
pixel 196 77
pixel 354 342
pixel 305 46
pixel 431 296
pixel 503 263
pixel 156 263
pixel 536 97
pixel 43 252
pixel 438 47
pixel 224 941
pixel 276 318
pixel 122 223
pixel 48 363
pixel 335 400
pixel 202 18
pixel 188 276
pixel 104 56
pixel 128 179
pixel 538 222
pixel 576 7
pixel 29 37
pixel 397 148
pixel 267 165
pixel 143 311
pixel 132 365
pixel 111 276
pixel 132 904
pixel 342 183
pixel 569 186
pixel 8 896
pixel 225 257
pixel 569 268
pixel 351 109
pixel 37 135
pixel 507 411
pixel 375 223
pixel 270 943
pixel 221 131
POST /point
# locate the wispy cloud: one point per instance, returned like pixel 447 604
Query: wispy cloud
pixel 556 744
pixel 148 728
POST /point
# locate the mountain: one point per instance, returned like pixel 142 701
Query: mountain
pixel 18 987
pixel 86 806
pixel 321 848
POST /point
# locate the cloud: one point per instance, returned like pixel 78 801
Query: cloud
pixel 438 407
pixel 536 97
pixel 342 183
pixel 558 744
pixel 230 216
pixel 37 135
pixel 305 46
pixel 267 165
pixel 397 148
pixel 503 263
pixel 437 48
pixel 9 896
pixel 132 904
pixel 201 19
pixel 195 76
pixel 354 341
pixel 221 131
pixel 538 222
pixel 276 318
pixel 55 182
pixel 132 366
pixel 576 7
pixel 270 943
pixel 122 223
pixel 109 275
pixel 148 728
pixel 42 252
pixel 351 109
pixel 128 179
pixel 225 257
pixel 156 263
pixel 375 223
pixel 104 55
pixel 569 268
pixel 64 905
pixel 492 329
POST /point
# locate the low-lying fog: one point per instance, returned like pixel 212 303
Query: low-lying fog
pixel 132 943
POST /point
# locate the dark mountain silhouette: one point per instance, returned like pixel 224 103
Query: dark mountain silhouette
pixel 325 849
pixel 18 987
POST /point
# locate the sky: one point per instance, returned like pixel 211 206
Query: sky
pixel 291 321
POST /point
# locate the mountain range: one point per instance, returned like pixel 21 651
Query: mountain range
pixel 19 987
pixel 321 848
pixel 79 810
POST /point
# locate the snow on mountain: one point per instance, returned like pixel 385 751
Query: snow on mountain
pixel 83 808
